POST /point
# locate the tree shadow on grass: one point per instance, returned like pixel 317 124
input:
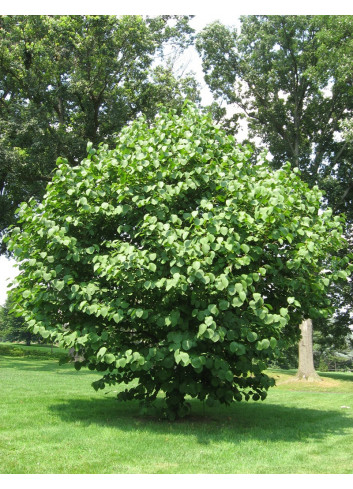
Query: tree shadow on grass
pixel 37 364
pixel 241 421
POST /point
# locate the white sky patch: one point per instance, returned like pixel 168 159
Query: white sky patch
pixel 283 95
pixel 338 137
pixel 182 7
pixel 7 273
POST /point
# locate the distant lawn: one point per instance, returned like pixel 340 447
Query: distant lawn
pixel 34 350
pixel 52 421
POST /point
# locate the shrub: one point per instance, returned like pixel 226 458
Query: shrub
pixel 174 260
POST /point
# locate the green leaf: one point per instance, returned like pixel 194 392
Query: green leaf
pixel 263 344
pixel 59 284
pixel 237 348
pixel 202 329
pixel 109 358
pixel 213 309
pixel 237 302
pixel 245 248
pixel 196 362
pixel 205 248
pixel 187 344
pixel 185 359
pixel 208 320
pixel 101 352
pixel 223 305
pixel 222 282
pixel 174 317
pixel 118 317
pixel 242 296
pixel 229 376
pixel 121 363
pixel 251 336
pixel 283 311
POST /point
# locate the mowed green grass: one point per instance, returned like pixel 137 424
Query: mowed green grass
pixel 52 421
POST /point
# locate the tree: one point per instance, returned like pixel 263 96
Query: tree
pixel 172 260
pixel 66 80
pixel 332 355
pixel 290 77
pixel 306 369
pixel 292 99
pixel 13 328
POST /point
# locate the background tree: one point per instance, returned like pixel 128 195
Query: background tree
pixel 172 260
pixel 290 77
pixel 66 80
pixel 273 71
pixel 12 327
pixel 330 354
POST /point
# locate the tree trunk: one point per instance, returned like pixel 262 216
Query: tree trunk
pixel 306 369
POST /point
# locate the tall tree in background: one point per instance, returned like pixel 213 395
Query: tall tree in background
pixel 291 78
pixel 293 96
pixel 12 327
pixel 67 80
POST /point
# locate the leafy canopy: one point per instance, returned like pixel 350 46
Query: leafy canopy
pixel 172 260
pixel 69 79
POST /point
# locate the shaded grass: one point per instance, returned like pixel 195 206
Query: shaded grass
pixel 52 421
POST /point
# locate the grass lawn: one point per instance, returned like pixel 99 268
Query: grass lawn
pixel 52 421
pixel 35 350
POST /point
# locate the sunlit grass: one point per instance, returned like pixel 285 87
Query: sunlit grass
pixel 52 421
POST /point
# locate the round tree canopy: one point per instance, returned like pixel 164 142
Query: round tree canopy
pixel 176 260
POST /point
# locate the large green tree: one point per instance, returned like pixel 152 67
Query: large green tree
pixel 66 80
pixel 290 77
pixel 173 261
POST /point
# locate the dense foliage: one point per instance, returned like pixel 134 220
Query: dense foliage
pixel 290 77
pixel 69 79
pixel 172 260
